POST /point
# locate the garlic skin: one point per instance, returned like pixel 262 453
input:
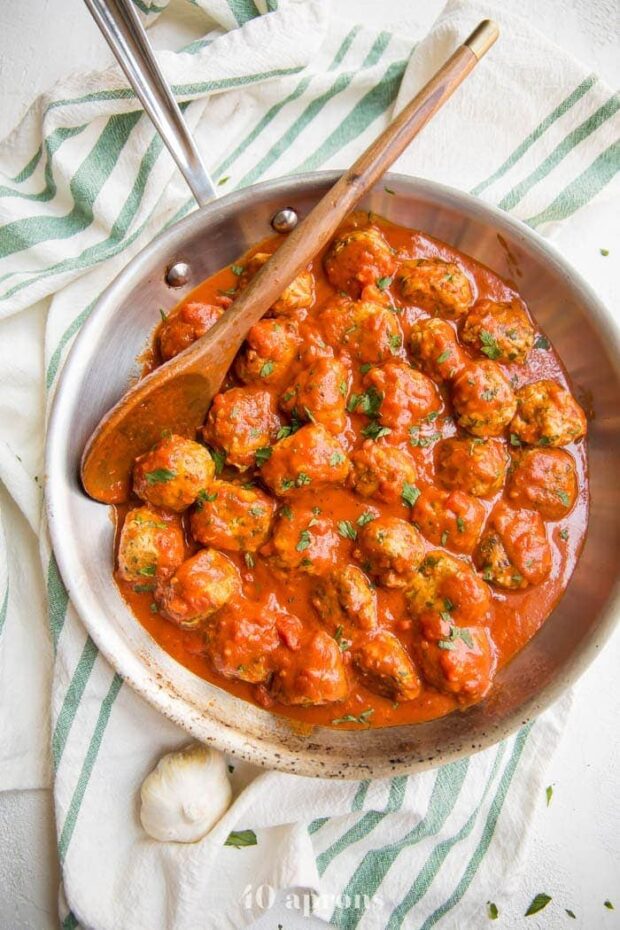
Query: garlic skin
pixel 185 795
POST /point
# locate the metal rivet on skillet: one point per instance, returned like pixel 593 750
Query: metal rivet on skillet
pixel 177 274
pixel 285 220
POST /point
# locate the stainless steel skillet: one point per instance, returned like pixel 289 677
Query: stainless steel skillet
pixel 103 359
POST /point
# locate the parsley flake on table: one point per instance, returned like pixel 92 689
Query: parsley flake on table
pixel 492 910
pixel 538 904
pixel 570 913
pixel 609 906
pixel 239 838
pixel 604 252
pixel 549 794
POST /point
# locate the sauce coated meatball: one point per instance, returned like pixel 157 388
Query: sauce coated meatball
pixel 319 393
pixel 185 326
pixel 313 675
pixel 385 666
pixel 477 466
pixel 449 518
pixel 362 329
pixel 270 349
pixel 311 457
pixel 173 473
pixel 228 516
pixel 514 551
pixel 303 540
pixel 544 480
pixel 483 399
pixel 500 330
pixel 435 349
pixel 299 295
pixel 242 639
pixel 151 546
pixel 547 415
pixel 199 587
pixel 358 259
pixel 456 660
pixel 346 601
pixel 381 472
pixel 445 585
pixel 390 549
pixel 406 396
pixel 441 288
pixel 241 421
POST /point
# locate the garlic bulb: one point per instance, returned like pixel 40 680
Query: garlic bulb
pixel 185 795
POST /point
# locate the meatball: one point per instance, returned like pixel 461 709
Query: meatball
pixel 270 350
pixel 441 288
pixel 310 457
pixel 242 639
pixel 198 588
pixel 448 587
pixel 390 549
pixel 304 540
pixel 385 666
pixel 173 473
pixel 346 602
pixel 185 326
pixel 228 516
pixel 319 393
pixel 483 399
pixel 500 330
pixel 241 421
pixel 514 551
pixel 312 675
pixel 449 518
pixel 299 295
pixel 381 471
pixel 357 259
pixel 363 329
pixel 456 660
pixel 544 480
pixel 477 466
pixel 151 546
pixel 435 349
pixel 547 415
pixel 407 396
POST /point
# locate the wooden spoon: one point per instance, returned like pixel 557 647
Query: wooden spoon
pixel 177 395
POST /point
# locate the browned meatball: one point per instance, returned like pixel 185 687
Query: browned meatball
pixel 241 421
pixel 500 330
pixel 312 675
pixel 514 551
pixel 188 324
pixel 477 466
pixel 303 540
pixel 366 331
pixel 381 472
pixel 346 602
pixel 319 393
pixel 406 396
pixel 198 588
pixel 390 549
pixel 441 288
pixel 385 666
pixel 270 349
pixel 357 259
pixel 455 659
pixel 483 399
pixel 449 518
pixel 310 457
pixel 242 640
pixel 228 516
pixel 544 480
pixel 547 415
pixel 446 585
pixel 151 546
pixel 435 349
pixel 299 295
pixel 173 473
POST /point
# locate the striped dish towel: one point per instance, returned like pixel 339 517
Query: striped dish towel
pixel 84 185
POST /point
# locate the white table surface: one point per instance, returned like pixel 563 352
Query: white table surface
pixel 574 852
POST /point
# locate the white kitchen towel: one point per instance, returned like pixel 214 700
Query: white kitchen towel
pixel 275 88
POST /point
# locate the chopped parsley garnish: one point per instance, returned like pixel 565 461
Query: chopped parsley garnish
pixel 444 537
pixel 460 524
pixel 263 455
pixel 249 559
pixel 365 368
pixel 343 644
pixel 542 342
pixel 514 440
pixel 159 476
pixel 564 534
pixel 154 608
pixel 291 428
pixel 239 838
pixel 369 402
pixel 347 530
pixel 364 717
pixel 395 341
pixel 374 431
pixel 409 494
pixel 205 496
pixel 267 369
pixel 538 904
pixel 365 518
pixel 490 347
pixel 286 512
pixel 549 794
pixel 310 415
pixel 219 460
pixel 304 541
pixel 564 498
pixel 418 441
pixel 147 571
pixel 336 458
pixel 143 588
pixel 444 357
pixel 343 388
pixel 163 314
pixel 382 283
pixel 456 632
pixel 302 479
pixel 492 910
pixel 237 269
pixel 544 441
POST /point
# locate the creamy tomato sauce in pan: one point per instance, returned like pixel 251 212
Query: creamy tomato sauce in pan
pixel 388 498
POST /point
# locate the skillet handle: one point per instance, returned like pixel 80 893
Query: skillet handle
pixel 125 34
